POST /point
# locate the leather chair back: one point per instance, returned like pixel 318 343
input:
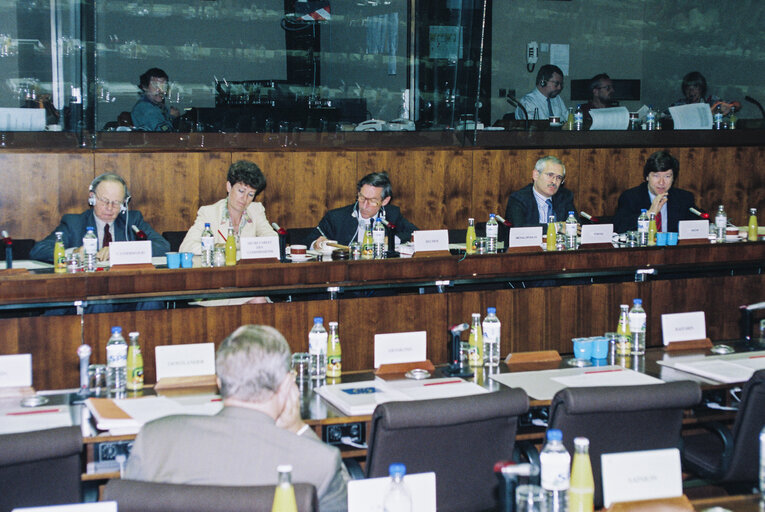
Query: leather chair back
pixel 745 459
pixel 459 439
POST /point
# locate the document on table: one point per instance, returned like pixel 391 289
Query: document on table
pixel 694 116
pixel 727 368
pixel 612 118
pixel 27 419
pixel 543 384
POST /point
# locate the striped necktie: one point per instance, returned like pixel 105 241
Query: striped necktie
pixel 107 236
pixel 549 107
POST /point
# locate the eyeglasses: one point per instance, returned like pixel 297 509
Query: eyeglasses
pixel 369 200
pixel 556 83
pixel 606 87
pixel 107 203
pixel 554 177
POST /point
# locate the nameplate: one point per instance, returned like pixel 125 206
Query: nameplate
pixel 431 240
pixel 642 475
pixel 400 347
pixel 597 233
pixel 259 247
pixel 683 327
pixel 101 506
pixel 525 237
pixel 130 253
pixel 693 229
pixel 193 359
pixel 367 495
pixel 16 371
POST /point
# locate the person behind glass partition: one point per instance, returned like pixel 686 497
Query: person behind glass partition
pixel 150 114
pixel 601 94
pixel 694 87
pixel 545 101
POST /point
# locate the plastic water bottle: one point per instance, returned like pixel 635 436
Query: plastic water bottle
pixel 284 494
pixel 637 319
pixel 721 223
pixel 492 233
pixel 208 244
pixel 556 466
pixel 762 460
pixel 650 119
pixel 492 329
pixel 717 119
pixel 317 349
pixel 397 497
pixel 572 226
pixel 642 225
pixel 116 362
pixel 579 119
pixel 90 245
pixel 378 239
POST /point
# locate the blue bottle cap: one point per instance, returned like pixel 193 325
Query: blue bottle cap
pixel 554 434
pixel 637 301
pixel 116 329
pixel 318 319
pixel 492 215
pixel 90 228
pixel 643 210
pixel 491 311
pixel 397 469
pixel 571 213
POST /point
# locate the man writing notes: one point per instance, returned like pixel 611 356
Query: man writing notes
pixel 258 428
pixel 545 101
pixel 657 195
pixel 109 214
pixel 536 202
pixel 374 193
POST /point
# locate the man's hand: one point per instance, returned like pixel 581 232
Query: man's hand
pixel 103 254
pixel 289 418
pixel 174 112
pixel 658 202
pixel 318 244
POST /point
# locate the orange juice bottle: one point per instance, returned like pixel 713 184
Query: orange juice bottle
pixel 581 491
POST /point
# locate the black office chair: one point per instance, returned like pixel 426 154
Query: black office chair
pixel 39 468
pixel 137 496
pixel 622 419
pixel 459 439
pixel 731 458
pixel 175 238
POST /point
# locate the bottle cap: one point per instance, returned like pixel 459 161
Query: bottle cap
pixel 333 324
pixel 318 320
pixel 284 468
pixel 491 310
pixel 116 329
pixel 637 301
pixel 90 228
pixel 581 441
pixel 134 334
pixel 476 315
pixel 554 434
pixel 397 469
pixel 643 210
pixel 492 215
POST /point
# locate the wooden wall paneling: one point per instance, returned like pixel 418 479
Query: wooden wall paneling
pixel 295 319
pixel 361 319
pixel 488 194
pixel 168 188
pixel 36 189
pixel 744 183
pixel 463 305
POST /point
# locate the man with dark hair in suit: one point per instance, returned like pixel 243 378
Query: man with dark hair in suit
pixel 344 225
pixel 258 428
pixel 109 215
pixel 543 197
pixel 657 195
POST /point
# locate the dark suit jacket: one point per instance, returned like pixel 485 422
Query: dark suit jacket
pixel 340 224
pixel 633 200
pixel 74 225
pixel 522 206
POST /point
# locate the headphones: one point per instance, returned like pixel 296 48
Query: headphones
pixel 542 82
pixel 108 176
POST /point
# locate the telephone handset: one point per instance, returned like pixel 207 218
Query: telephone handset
pixel 532 55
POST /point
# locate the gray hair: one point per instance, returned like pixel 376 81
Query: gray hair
pixel 252 362
pixel 542 162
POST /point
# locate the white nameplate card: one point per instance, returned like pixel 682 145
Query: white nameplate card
pixel 102 506
pixel 367 495
pixel 642 475
pixel 683 327
pixel 597 233
pixel 16 371
pixel 259 247
pixel 400 347
pixel 190 360
pixel 431 240
pixel 693 229
pixel 130 253
pixel 525 237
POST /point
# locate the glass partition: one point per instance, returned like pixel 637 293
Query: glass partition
pixel 330 66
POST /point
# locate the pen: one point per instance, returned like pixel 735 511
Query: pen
pixel 602 371
pixel 36 411
pixel 445 382
pixel 221 235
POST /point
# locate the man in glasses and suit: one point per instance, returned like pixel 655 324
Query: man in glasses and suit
pixel 544 196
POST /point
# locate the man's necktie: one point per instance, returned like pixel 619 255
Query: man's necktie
pixel 658 221
pixel 107 236
pixel 550 211
pixel 549 107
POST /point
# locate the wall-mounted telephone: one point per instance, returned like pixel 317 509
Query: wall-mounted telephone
pixel 532 55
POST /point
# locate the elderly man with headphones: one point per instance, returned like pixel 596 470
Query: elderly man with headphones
pixel 108 197
pixel 545 101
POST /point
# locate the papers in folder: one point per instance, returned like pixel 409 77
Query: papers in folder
pixel 728 368
pixel 695 116
pixel 361 398
pixel 612 118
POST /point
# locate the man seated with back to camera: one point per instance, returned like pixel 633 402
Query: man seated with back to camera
pixel 545 101
pixel 657 195
pixel 109 215
pixel 344 225
pixel 258 428
pixel 544 196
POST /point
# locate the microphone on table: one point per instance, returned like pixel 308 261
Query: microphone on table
pixel 703 215
pixel 508 473
pixel 83 352
pixel 7 241
pixel 746 319
pixel 391 238
pixel 455 368
pixel 591 218
pixel 279 230
pixel 511 100
pixel 139 233
pixel 501 219
pixel 282 241
pixel 754 101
